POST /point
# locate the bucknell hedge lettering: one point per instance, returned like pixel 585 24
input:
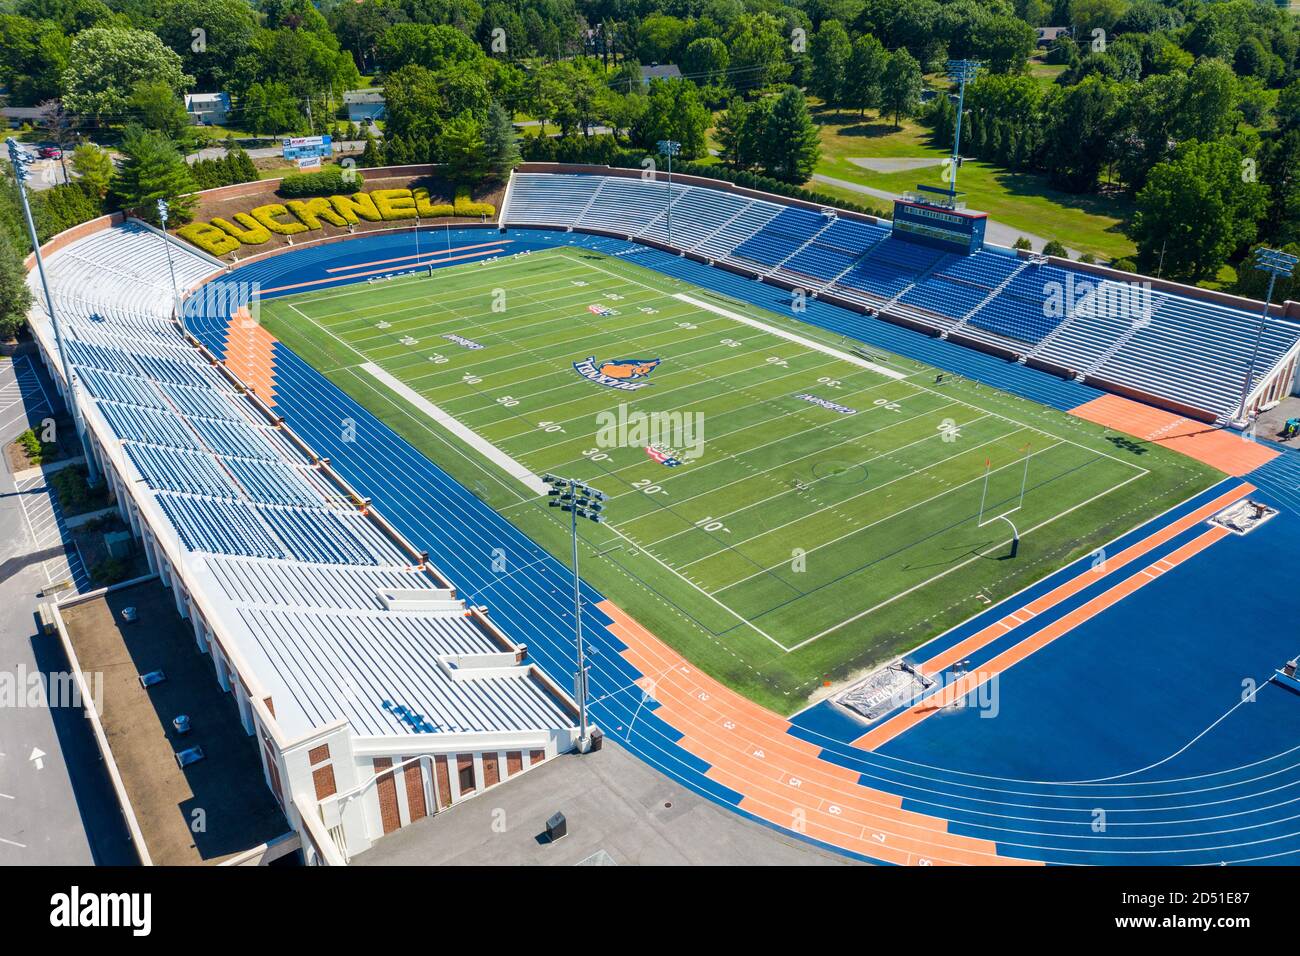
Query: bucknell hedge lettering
pixel 258 225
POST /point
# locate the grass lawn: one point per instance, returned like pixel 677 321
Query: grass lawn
pixel 824 514
pixel 1023 201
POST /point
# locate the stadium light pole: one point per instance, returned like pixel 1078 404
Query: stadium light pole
pixel 961 71
pixel 20 162
pixel 1275 263
pixel 580 501
pixel 171 268
pixel 669 148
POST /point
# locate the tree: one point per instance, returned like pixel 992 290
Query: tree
pixel 1196 210
pixel 791 142
pixel 1253 283
pixel 1004 43
pixel 673 111
pixel 105 64
pixel 660 38
pixel 95 168
pixel 1080 133
pixel 15 297
pixel 360 25
pixel 831 52
pixel 500 142
pixel 432 47
pixel 1279 170
pixel 226 33
pixel 758 51
pixel 1089 15
pixel 156 106
pixel 705 61
pixel 35 56
pixel 864 74
pixel 152 169
pixel 271 108
pixel 730 133
pixel 1056 248
pixel 372 156
pixel 57 126
pixel 901 86
pixel 62 207
pixel 463 149
pixel 1206 111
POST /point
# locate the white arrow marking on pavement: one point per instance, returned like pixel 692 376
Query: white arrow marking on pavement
pixel 38 758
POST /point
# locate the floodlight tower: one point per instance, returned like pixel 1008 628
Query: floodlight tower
pixel 1275 263
pixel 580 501
pixel 959 71
pixel 669 148
pixel 163 210
pixel 20 161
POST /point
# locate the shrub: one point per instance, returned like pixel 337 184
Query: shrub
pixel 1023 243
pixel 1055 248
pixel 327 182
pixel 110 571
pixel 71 487
pixel 37 451
pixel 465 206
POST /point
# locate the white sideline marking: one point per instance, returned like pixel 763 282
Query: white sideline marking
pixel 790 336
pixel 481 445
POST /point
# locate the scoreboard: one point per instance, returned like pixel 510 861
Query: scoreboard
pixel 940 225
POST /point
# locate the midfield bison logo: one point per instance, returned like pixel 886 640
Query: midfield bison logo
pixel 617 373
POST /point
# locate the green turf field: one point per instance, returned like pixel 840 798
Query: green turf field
pixel 826 513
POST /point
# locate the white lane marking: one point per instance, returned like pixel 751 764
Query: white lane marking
pixel 470 437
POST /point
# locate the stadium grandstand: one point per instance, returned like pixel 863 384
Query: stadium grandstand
pixel 350 657
pixel 378 696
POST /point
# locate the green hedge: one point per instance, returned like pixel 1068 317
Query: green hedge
pixel 327 182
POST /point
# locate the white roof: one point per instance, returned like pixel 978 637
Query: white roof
pixel 330 613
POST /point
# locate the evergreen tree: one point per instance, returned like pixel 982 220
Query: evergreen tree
pixel 464 150
pixel 15 297
pixel 730 134
pixel 373 155
pixel 396 151
pixel 151 170
pixel 501 142
pixel 245 168
pixel 792 144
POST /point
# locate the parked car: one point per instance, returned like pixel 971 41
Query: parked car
pixel 50 152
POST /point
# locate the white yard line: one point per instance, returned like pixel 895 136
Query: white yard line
pixel 790 336
pixel 465 434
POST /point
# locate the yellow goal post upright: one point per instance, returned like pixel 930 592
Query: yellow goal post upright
pixel 984 520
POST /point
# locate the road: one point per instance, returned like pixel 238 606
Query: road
pixel 273 152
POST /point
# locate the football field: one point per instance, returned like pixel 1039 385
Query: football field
pixel 785 507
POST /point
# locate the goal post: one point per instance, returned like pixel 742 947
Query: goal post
pixel 985 518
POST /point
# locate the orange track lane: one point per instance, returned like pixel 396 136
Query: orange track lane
pixel 250 354
pixel 1217 447
pixel 782 779
pixel 1028 612
pixel 1034 643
